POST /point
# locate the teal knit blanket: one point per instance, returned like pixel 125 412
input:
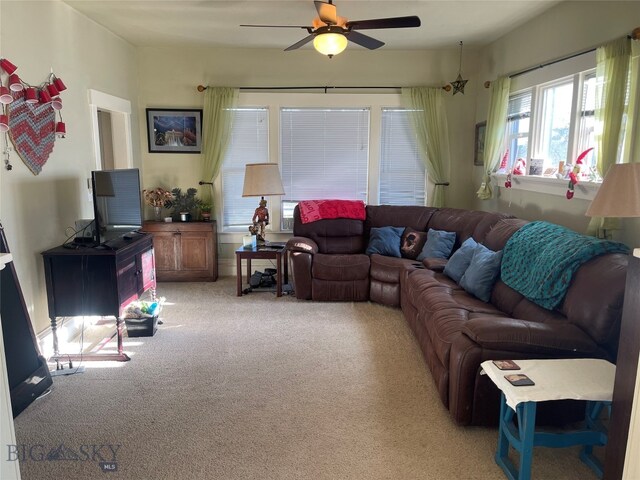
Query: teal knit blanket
pixel 539 260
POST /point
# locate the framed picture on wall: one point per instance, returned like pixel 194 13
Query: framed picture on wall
pixel 174 130
pixel 478 157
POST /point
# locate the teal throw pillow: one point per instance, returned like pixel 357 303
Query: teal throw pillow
pixel 439 244
pixel 483 272
pixel 385 241
pixel 460 260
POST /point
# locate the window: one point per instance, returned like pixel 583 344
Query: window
pixel 324 153
pixel 554 122
pixel 402 171
pixel 518 126
pixel 587 121
pixel 556 101
pixel 249 143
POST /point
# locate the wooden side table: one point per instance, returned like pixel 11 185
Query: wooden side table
pixel 279 254
pixel 576 379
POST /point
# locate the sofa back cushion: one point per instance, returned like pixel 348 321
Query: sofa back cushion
pixel 501 232
pixel 397 216
pixel 333 236
pixel 465 223
pixel 593 301
pixel 595 298
pixel 507 300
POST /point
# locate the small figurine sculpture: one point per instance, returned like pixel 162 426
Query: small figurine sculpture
pixel 260 221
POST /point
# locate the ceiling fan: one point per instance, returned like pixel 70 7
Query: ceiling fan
pixel 330 32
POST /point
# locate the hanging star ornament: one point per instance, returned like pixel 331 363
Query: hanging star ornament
pixel 459 83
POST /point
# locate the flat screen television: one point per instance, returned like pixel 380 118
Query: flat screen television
pixel 117 203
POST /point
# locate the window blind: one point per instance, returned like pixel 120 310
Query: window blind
pixel 402 171
pixel 325 153
pixel 249 143
pixel 519 105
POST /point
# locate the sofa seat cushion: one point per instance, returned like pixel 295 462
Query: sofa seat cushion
pixel 340 267
pixel 388 269
pixel 445 326
pixel 445 306
pixel 419 283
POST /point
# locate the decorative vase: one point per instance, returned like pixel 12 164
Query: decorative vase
pixel 157 211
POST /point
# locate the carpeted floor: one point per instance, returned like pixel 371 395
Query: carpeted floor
pixel 261 388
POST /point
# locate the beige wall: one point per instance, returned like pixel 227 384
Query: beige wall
pixel 567 28
pixel 36 210
pixel 169 78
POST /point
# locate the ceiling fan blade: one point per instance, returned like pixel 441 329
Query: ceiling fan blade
pixel 279 26
pixel 299 44
pixel 395 22
pixel 364 40
pixel 326 12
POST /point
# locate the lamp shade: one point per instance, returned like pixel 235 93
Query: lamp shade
pixel 44 96
pixel 53 91
pixel 262 179
pixel 4 123
pixel 59 84
pixel 14 83
pixel 56 103
pixel 7 66
pixel 31 95
pixel 5 96
pixel 330 43
pixel 619 194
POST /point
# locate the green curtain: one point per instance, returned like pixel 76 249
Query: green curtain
pixel 632 137
pixel 612 73
pixel 429 121
pixel 494 136
pixel 219 103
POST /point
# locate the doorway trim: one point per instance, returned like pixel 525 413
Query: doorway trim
pixel 120 109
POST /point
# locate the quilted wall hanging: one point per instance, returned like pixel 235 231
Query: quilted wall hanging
pixel 28 117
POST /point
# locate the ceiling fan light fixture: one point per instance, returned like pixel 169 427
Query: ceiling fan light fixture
pixel 330 43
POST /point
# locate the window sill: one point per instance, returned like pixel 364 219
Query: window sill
pixel 547 185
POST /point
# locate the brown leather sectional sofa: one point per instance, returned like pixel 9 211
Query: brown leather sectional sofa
pixel 455 330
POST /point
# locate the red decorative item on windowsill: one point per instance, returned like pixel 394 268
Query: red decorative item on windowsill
pixel 574 176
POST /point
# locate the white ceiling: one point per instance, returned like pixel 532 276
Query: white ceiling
pixel 215 23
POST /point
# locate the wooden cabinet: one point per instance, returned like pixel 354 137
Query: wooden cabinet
pixel 185 251
pixel 98 281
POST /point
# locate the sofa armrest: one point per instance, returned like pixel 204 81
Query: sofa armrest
pixel 435 264
pixel 523 336
pixel 302 244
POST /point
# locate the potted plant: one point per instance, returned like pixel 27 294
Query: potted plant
pixel 205 211
pixel 158 198
pixel 184 204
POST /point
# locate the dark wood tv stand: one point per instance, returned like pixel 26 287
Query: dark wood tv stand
pixel 98 281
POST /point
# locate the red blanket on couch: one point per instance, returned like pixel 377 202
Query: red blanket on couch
pixel 314 210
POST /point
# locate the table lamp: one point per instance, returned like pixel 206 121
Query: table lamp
pixel 619 196
pixel 261 179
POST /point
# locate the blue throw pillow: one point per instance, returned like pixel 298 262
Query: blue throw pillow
pixel 460 260
pixel 439 244
pixel 385 241
pixel 483 272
